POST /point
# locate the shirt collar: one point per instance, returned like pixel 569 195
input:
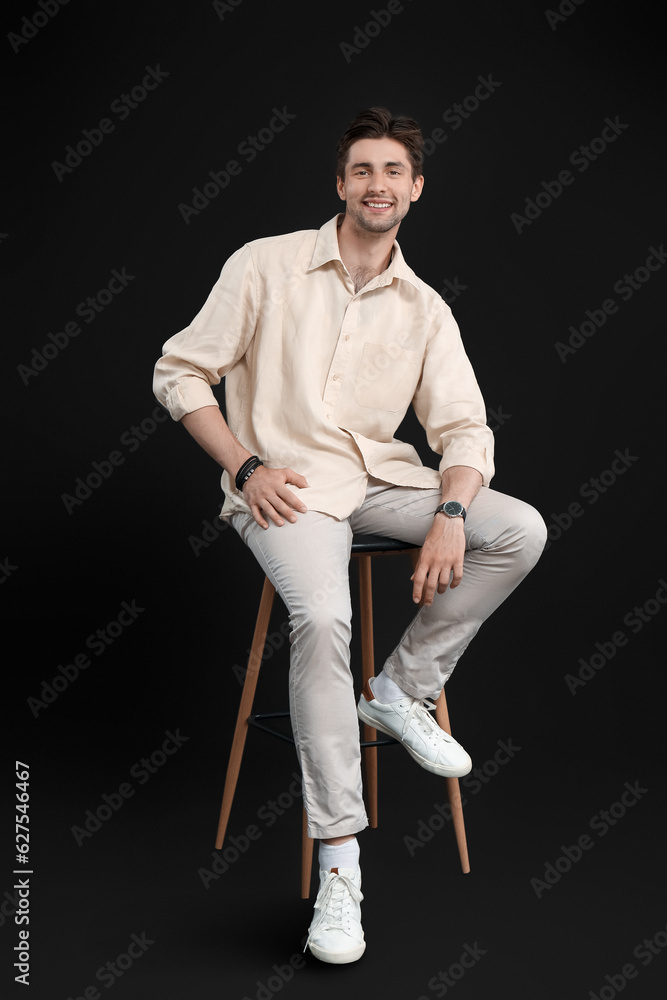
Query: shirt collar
pixel 326 249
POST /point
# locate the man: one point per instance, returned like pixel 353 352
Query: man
pixel 324 339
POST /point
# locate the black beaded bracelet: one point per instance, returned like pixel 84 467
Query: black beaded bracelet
pixel 246 471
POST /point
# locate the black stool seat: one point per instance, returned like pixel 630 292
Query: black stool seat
pixel 377 543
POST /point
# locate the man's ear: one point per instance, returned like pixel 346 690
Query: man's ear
pixel 340 187
pixel 417 187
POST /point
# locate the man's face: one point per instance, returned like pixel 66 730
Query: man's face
pixel 378 185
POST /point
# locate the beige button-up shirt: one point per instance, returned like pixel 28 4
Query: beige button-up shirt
pixel 318 377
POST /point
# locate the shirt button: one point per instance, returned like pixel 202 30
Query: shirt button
pixel 347 336
pixel 337 378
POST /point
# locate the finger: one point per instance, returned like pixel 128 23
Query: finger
pixel 296 479
pixel 418 578
pixel 284 504
pixel 290 502
pixel 271 501
pixel 457 573
pixel 278 511
pixel 445 579
pixel 257 514
pixel 270 513
pixel 429 592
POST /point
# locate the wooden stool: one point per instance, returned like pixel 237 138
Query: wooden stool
pixel 364 547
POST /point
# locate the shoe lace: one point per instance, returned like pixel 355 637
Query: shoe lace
pixel 333 904
pixel 426 722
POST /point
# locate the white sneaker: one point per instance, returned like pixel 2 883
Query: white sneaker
pixel 335 934
pixel 409 720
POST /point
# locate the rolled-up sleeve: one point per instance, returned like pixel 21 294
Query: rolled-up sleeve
pixel 200 356
pixel 448 401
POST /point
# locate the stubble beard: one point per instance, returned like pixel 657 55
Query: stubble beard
pixel 381 224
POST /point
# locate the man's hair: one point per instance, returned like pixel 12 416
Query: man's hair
pixel 378 123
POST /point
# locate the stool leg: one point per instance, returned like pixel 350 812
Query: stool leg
pixel 245 708
pixel 306 858
pixel 368 671
pixel 453 790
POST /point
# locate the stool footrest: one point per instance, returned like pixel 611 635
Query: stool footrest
pixel 256 720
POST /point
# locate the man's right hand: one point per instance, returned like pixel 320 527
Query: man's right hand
pixel 267 494
pixel 265 490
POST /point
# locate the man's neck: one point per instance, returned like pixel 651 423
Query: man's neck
pixel 364 253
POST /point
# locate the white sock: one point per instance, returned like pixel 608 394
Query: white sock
pixel 386 690
pixel 339 855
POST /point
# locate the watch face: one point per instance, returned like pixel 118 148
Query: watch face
pixel 453 508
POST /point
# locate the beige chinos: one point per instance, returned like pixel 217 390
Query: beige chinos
pixel 308 561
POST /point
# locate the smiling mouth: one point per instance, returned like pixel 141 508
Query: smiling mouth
pixel 377 206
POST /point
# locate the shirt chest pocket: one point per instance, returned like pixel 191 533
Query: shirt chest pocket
pixel 387 377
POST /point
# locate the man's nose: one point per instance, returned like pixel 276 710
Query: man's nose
pixel 377 182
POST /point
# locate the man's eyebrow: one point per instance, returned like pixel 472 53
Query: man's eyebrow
pixel 389 163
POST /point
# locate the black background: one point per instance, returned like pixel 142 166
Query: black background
pixel 138 536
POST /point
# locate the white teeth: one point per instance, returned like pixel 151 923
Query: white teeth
pixel 378 204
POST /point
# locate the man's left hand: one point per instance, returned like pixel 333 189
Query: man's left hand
pixel 440 559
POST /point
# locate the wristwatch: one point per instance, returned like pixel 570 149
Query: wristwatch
pixel 452 508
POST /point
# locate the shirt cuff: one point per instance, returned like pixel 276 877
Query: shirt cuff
pixel 477 459
pixel 190 394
